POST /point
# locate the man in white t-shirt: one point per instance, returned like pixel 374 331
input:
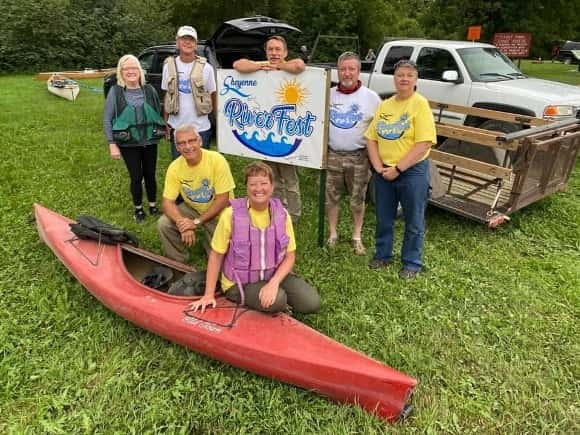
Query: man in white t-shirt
pixel 185 104
pixel 352 107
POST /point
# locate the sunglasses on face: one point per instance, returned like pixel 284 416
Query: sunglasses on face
pixel 405 62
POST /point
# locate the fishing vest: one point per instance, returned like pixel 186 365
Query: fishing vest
pixel 201 97
pixel 126 129
pixel 254 254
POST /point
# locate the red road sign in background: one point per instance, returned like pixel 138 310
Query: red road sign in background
pixel 474 33
pixel 513 44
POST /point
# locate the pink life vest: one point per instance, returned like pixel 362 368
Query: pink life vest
pixel 254 254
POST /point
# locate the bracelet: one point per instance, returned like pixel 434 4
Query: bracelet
pixel 398 170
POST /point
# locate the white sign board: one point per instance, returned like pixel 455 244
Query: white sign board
pixel 273 115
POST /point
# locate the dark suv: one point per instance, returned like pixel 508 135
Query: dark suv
pixel 565 54
pixel 234 39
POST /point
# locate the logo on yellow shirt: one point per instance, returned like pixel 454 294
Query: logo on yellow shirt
pixel 204 194
pixel 394 130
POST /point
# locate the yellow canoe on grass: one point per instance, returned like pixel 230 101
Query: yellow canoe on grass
pixel 63 87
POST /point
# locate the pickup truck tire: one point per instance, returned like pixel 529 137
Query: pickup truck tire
pixel 501 126
pixel 495 156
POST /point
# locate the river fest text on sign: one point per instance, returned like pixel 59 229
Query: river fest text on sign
pixel 274 115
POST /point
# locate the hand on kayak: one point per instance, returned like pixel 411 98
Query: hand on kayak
pixel 268 294
pixel 204 302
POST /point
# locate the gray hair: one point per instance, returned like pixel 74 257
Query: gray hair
pixel 348 55
pixel 186 127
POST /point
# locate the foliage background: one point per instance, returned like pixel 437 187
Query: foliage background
pixel 66 34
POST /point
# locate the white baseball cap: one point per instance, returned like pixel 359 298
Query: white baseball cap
pixel 187 31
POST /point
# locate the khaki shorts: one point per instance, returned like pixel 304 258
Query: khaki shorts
pixel 350 171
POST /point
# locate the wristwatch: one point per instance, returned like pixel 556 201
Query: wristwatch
pixel 197 222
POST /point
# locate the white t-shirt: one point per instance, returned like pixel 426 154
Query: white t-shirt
pixel 350 115
pixel 187 114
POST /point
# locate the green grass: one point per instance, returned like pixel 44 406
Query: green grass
pixel 552 71
pixel 491 331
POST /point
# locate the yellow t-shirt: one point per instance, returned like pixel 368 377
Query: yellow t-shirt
pixel 398 125
pixel 199 184
pixel 220 242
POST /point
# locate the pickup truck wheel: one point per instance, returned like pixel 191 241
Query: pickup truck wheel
pixel 502 127
pixel 495 156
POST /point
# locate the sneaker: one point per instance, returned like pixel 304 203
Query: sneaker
pixel 139 215
pixel 358 247
pixel 377 263
pixel 405 273
pixel 153 210
pixel 332 242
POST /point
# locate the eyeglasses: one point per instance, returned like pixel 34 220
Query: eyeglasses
pixel 187 142
pixel 405 62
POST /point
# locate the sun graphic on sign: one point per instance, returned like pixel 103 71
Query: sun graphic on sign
pixel 291 92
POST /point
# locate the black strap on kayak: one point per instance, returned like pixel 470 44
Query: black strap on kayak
pixel 91 228
pixel 239 310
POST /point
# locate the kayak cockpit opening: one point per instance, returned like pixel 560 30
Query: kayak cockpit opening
pixel 141 265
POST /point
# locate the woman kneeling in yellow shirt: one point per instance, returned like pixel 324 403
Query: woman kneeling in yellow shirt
pixel 255 249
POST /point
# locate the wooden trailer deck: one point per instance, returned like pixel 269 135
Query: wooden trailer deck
pixel 486 175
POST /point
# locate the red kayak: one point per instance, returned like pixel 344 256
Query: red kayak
pixel 275 346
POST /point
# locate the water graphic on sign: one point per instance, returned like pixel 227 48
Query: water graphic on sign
pixel 268 146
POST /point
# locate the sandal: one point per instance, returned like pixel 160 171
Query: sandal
pixel 332 242
pixel 358 247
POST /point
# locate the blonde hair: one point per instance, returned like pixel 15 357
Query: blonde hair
pixel 122 63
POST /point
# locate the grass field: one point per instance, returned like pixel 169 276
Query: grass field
pixel 490 331
pixel 552 71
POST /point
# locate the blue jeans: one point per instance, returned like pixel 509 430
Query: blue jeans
pixel 411 189
pixel 205 138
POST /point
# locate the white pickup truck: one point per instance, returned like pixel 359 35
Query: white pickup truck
pixel 473 75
